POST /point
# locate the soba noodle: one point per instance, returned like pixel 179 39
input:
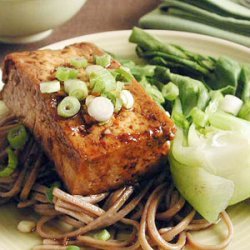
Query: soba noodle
pixel 148 216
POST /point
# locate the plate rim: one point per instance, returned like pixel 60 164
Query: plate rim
pixel 183 34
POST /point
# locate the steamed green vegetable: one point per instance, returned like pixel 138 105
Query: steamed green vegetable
pixel 150 43
pixel 209 194
pixel 168 54
pixel 245 111
pixel 209 159
pixel 243 90
pixel 192 93
pixel 144 75
pixel 170 91
pixel 218 74
pixel 152 90
pixel 226 73
pixel 211 148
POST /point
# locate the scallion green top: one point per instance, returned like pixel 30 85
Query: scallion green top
pixel 102 82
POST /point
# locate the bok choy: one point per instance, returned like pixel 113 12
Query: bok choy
pixel 210 105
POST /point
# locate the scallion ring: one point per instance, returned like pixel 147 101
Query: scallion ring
pixel 102 235
pixel 89 99
pixel 102 81
pixel 101 109
pixel 50 87
pixel 12 164
pixel 111 96
pixel 49 192
pixel 79 62
pixel 118 105
pixel 104 60
pixel 73 248
pixel 17 137
pixel 76 88
pixel 124 74
pixel 64 73
pixel 68 107
pixel 127 99
pixel 119 86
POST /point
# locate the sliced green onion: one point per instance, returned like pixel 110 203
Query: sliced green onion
pixel 170 91
pixel 17 137
pixel 93 69
pixel 79 62
pixel 127 99
pixel 102 81
pixel 101 109
pixel 89 99
pixel 110 95
pixel 114 97
pixel 98 86
pixel 102 235
pixel 64 73
pixel 3 109
pixel 68 107
pixel 49 192
pixel 114 73
pixel 119 86
pixel 80 94
pixel 104 60
pixel 125 74
pixel 199 117
pixel 68 83
pixel 50 87
pixel 12 164
pixel 118 104
pixel 76 88
pixel 73 248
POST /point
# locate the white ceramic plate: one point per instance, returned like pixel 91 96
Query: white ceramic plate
pixel 117 42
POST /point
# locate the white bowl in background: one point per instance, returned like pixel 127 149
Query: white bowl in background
pixel 23 21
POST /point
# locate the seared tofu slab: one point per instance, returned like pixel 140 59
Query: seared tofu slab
pixel 89 157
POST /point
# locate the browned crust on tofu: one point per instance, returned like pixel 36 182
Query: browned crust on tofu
pixel 89 158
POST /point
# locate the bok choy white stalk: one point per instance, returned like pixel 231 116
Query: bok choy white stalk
pixel 210 160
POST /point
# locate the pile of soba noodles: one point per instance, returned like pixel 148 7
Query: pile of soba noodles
pixel 148 215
